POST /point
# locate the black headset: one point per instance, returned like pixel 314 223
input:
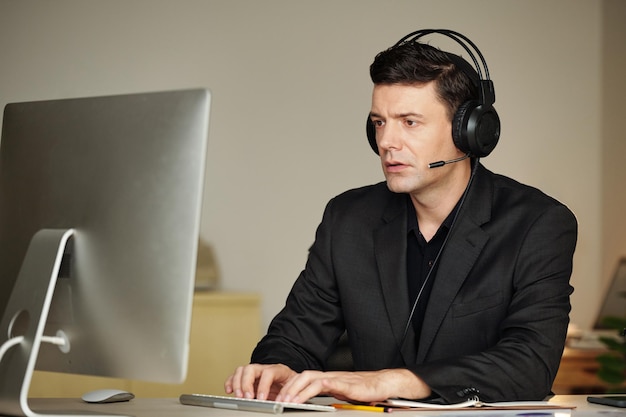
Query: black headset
pixel 476 125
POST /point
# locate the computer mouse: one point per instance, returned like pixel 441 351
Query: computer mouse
pixel 107 396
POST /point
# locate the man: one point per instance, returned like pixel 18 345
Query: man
pixel 451 282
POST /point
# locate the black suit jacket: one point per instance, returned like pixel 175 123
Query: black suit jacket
pixel 497 316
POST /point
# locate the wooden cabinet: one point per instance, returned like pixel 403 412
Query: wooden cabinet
pixel 225 328
pixel 578 373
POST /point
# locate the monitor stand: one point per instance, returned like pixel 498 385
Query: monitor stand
pixel 23 322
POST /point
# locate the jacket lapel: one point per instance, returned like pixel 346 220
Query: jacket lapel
pixel 390 249
pixel 464 245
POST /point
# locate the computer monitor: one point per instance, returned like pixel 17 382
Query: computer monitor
pixel 614 302
pixel 100 202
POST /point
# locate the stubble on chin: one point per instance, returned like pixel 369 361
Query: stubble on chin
pixel 399 185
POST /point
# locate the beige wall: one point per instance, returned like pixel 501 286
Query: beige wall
pixel 291 93
pixel 613 134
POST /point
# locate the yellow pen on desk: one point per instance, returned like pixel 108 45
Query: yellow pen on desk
pixel 363 408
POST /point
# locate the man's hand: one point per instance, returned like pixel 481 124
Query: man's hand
pixel 258 381
pixel 280 383
pixel 355 386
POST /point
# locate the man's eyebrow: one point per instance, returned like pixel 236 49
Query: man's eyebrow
pixel 400 115
pixel 409 114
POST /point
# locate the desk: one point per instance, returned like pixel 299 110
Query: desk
pixel 169 407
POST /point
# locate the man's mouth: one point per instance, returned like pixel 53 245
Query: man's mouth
pixel 394 166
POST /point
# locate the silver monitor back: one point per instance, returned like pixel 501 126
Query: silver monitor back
pixel 126 173
pixel 614 302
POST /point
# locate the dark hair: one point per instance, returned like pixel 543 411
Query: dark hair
pixel 418 63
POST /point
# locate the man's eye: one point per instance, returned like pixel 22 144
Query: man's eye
pixel 378 123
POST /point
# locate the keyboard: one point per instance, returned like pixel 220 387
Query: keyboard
pixel 246 404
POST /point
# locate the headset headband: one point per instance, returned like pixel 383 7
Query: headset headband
pixel 458 38
pixel 486 89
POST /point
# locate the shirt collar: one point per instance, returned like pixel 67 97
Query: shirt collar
pixel 412 224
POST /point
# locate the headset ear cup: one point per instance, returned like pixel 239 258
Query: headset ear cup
pixel 476 129
pixel 371 135
pixel 459 126
pixel 485 129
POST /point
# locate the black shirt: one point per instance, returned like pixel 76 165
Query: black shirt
pixel 421 262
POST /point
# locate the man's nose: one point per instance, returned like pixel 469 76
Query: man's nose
pixel 388 137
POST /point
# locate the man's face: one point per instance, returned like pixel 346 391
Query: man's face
pixel 413 129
